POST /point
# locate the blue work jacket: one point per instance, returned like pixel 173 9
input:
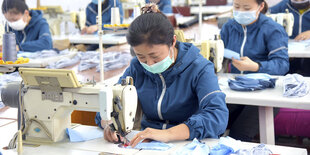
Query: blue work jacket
pixel 186 93
pixel 163 5
pixel 301 21
pixel 36 36
pixel 92 12
pixel 264 42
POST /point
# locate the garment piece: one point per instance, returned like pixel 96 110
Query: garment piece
pixel 111 60
pixel 163 5
pixel 243 83
pixel 264 42
pixel 226 146
pixel 84 133
pixel 229 54
pixel 301 21
pixel 195 147
pixel 36 36
pixel 261 149
pixel 188 92
pixel 153 145
pixel 294 85
pixel 92 12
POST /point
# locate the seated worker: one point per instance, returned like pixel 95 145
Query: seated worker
pixel 31 29
pixel 301 11
pixel 301 30
pixel 177 88
pixel 164 5
pixel 92 12
pixel 262 45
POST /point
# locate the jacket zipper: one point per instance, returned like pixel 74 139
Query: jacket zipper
pixel 300 17
pixel 161 98
pixel 24 37
pixel 243 43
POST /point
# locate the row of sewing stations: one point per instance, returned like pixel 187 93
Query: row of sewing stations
pixel 74 75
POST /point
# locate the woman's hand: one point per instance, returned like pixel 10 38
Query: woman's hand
pixel 90 29
pixel 150 133
pixel 179 132
pixel 84 30
pixel 245 64
pixel 303 36
pixel 110 135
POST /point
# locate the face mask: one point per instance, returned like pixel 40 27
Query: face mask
pixel 18 25
pixel 96 1
pixel 245 17
pixel 300 5
pixel 161 66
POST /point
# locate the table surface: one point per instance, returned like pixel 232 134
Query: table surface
pixel 271 97
pixel 211 9
pixel 100 145
pixel 111 39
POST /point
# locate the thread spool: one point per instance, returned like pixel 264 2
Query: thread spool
pixel 115 17
pixel 9 47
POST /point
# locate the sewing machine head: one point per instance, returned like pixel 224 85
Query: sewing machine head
pixel 284 19
pixel 212 50
pixel 50 96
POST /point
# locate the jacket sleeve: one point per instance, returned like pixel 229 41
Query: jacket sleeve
pixel 91 15
pixel 211 119
pixel 224 34
pixel 277 45
pixel 278 8
pixel 44 41
pixel 166 8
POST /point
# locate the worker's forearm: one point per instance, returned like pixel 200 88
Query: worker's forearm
pixel 179 132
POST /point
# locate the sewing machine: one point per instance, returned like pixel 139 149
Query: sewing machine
pixel 212 50
pixel 49 96
pixel 284 19
pixel 55 16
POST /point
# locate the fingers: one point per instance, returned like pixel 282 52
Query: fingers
pixel 300 37
pixel 146 134
pixel 109 135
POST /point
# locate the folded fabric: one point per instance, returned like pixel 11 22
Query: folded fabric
pixel 84 133
pixel 226 146
pixel 229 54
pixel 294 85
pixel 153 145
pixel 244 83
pixel 195 147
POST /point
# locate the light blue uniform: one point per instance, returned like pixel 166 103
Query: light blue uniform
pixel 186 93
pixel 264 42
pixel 36 36
pixel 301 21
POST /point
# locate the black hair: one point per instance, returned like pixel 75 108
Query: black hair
pixel 150 28
pixel 259 2
pixel 16 6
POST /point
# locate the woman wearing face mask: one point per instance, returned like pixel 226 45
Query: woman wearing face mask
pixel 31 29
pixel 301 30
pixel 163 5
pixel 177 88
pixel 262 45
pixel 92 12
pixel 301 12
